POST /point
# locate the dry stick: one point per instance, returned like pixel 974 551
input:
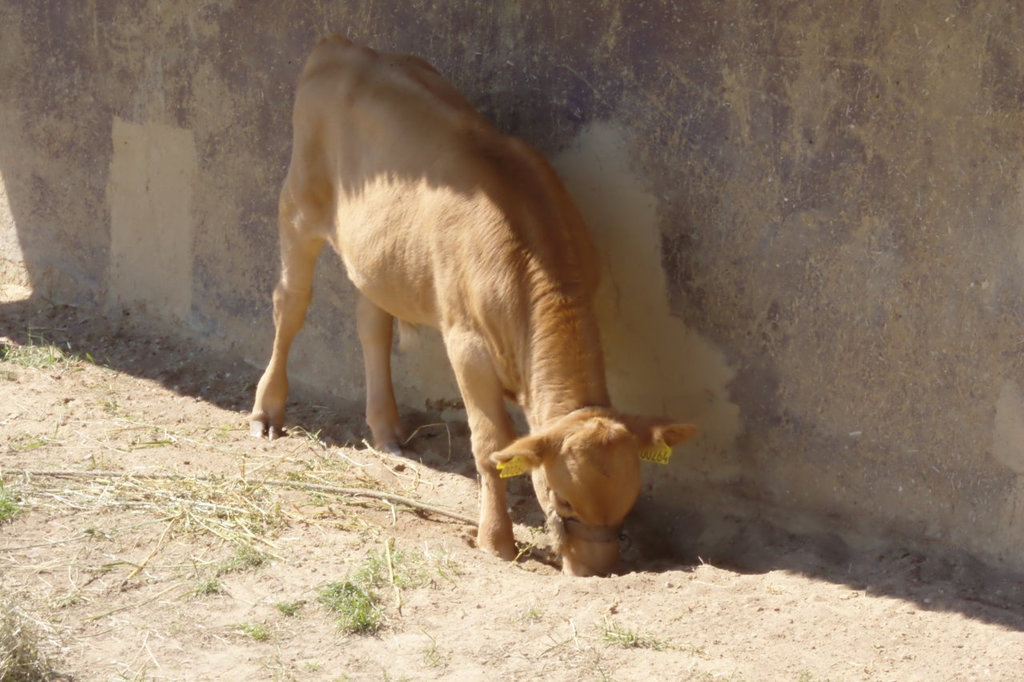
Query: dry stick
pixel 315 487
pixel 388 545
pixel 145 561
pixel 118 609
pixel 427 426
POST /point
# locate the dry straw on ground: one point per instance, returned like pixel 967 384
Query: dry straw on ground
pixel 222 487
pixel 26 644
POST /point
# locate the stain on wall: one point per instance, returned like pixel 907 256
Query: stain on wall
pixel 810 212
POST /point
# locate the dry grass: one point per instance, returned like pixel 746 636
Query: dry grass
pixel 26 644
pixel 145 521
pixel 241 513
pixel 233 510
pixel 246 514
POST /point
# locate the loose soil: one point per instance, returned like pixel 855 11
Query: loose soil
pixel 184 549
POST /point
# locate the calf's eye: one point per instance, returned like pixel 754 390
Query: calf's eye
pixel 562 506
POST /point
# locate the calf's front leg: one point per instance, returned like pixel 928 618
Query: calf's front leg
pixel 490 430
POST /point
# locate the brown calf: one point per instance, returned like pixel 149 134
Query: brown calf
pixel 440 220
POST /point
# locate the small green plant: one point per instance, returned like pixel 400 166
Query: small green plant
pixel 206 587
pixel 631 639
pixel 110 405
pixel 533 614
pixel 694 650
pixel 9 504
pixel 256 631
pixel 443 562
pixel 402 568
pixel 432 656
pixel 288 608
pixel 24 442
pixel 245 557
pixel 357 602
pixel 355 605
pixel 223 432
pixel 805 676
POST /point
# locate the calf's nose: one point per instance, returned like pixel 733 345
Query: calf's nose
pixel 600 561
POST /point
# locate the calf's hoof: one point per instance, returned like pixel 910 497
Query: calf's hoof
pixel 259 428
pixel 387 438
pixel 389 449
pixel 504 548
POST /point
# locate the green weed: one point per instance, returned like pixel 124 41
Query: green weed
pixel 402 568
pixel 9 504
pixel 357 602
pixel 356 606
pixel 256 631
pixel 206 587
pixel 246 557
pixel 433 657
pixel 631 639
pixel 533 614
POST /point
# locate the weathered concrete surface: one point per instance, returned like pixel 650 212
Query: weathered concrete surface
pixel 812 216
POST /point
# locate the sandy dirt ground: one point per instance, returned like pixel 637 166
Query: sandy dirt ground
pixel 180 548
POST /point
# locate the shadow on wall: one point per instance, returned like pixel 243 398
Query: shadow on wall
pixel 31 251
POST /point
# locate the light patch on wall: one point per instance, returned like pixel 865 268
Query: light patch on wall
pixel 149 193
pixel 8 245
pixel 655 364
pixel 13 275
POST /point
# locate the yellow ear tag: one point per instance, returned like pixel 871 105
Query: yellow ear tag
pixel 659 454
pixel 513 467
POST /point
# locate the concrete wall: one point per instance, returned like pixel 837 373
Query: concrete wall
pixel 812 218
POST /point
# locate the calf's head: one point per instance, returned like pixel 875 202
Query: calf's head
pixel 586 473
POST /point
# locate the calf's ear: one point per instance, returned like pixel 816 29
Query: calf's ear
pixel 658 436
pixel 521 456
pixel 672 433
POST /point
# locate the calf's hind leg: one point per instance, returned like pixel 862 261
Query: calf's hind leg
pixel 299 251
pixel 376 330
